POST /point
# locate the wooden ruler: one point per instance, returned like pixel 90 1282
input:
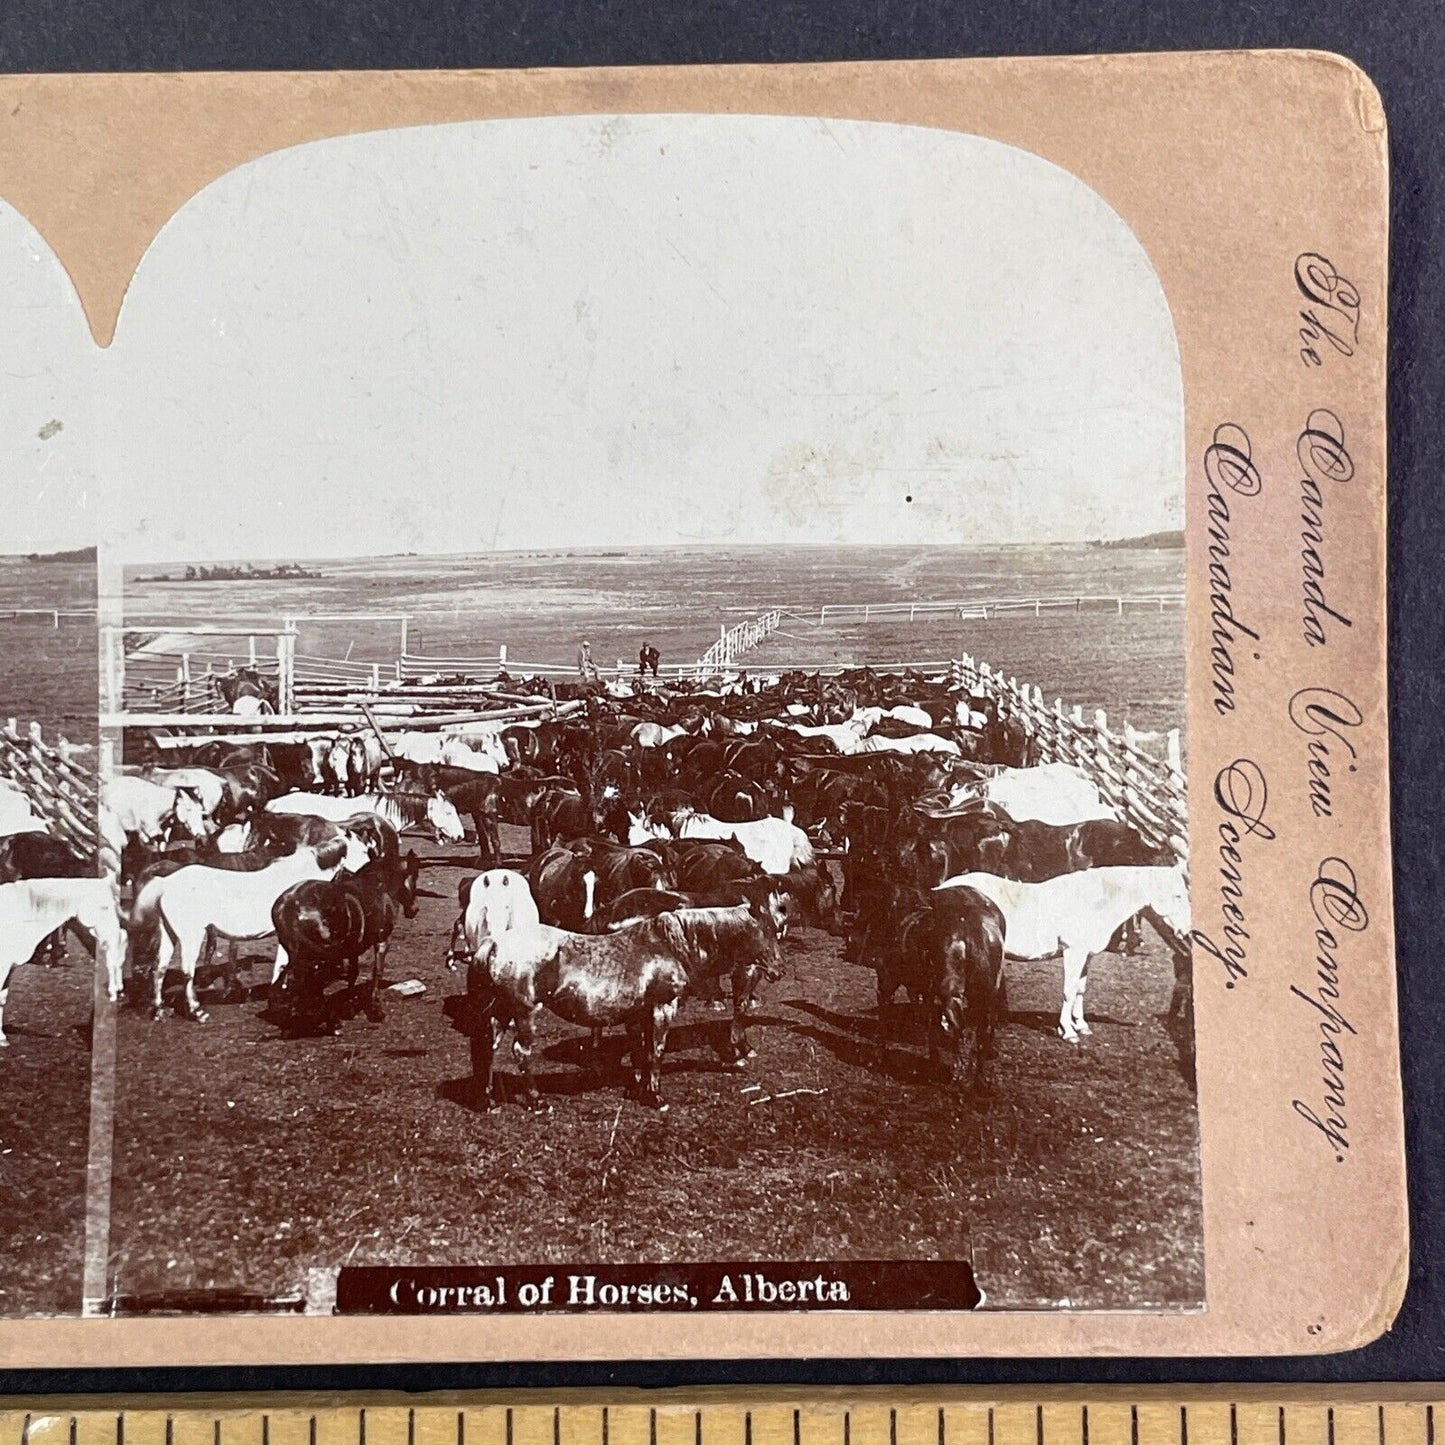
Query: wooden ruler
pixel 1377 1415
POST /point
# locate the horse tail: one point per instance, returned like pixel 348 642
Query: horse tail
pixel 144 923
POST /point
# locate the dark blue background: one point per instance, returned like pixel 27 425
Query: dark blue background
pixel 1401 45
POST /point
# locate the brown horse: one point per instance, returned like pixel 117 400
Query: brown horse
pixel 325 926
pixel 634 978
pixel 946 949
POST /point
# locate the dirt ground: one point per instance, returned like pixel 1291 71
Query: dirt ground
pixel 244 1157
pixel 44 1134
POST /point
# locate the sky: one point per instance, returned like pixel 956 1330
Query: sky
pixel 48 398
pixel 604 331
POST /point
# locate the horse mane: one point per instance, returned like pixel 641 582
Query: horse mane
pixel 410 807
pixel 726 931
pixel 49 900
pixel 330 853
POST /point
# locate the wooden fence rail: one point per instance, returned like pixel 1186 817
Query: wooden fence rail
pixel 61 788
pixel 736 640
pixel 987 608
pixel 1149 791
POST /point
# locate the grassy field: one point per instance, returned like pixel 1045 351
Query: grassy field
pixel 49 672
pixel 541 605
pixel 243 1158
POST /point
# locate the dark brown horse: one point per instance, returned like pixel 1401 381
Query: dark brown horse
pixel 762 894
pixel 946 951
pixel 572 881
pixel 325 926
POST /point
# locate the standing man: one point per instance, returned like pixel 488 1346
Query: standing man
pixel 648 657
pixel 586 668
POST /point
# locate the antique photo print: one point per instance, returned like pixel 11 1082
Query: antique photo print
pixel 742 558
pixel 746 703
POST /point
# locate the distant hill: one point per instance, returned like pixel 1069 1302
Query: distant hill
pixel 1153 539
pixel 78 554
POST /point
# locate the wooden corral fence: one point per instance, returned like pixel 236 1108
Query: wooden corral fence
pixel 52 615
pixel 734 641
pixel 1149 790
pixel 988 608
pixel 61 788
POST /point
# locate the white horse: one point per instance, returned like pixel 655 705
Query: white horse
pixel 17 812
pixel 30 911
pixel 847 737
pixel 207 784
pixel 916 717
pixel 775 844
pixel 658 735
pixel 915 743
pixel 499 900
pixel 1077 914
pixel 191 902
pixel 481 754
pixel 1057 793
pixel 402 810
pixel 151 811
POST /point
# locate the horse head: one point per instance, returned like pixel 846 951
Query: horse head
pixel 446 822
pixel 410 874
pixel 189 812
pixel 641 829
pixel 1168 907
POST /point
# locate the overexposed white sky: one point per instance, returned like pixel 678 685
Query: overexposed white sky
pixel 48 398
pixel 615 331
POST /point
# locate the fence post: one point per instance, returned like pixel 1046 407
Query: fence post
pixel 285 672
pixel 1176 760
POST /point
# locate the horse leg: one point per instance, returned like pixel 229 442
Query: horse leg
pixel 483 1031
pixel 1079 1022
pixel 162 964
pixel 524 1036
pixel 455 952
pixel 6 969
pixel 638 1051
pixel 374 1010
pixel 886 990
pixel 231 974
pixel 1076 960
pixel 744 982
pixel 114 969
pixel 654 1040
pixel 282 963
pixel 190 960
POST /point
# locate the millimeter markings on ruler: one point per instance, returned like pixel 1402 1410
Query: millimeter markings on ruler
pixel 1382 1416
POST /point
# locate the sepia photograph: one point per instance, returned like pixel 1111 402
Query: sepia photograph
pixel 643 665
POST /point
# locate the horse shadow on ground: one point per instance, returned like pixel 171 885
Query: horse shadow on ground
pixel 342 1006
pixel 457 865
pixel 692 1048
pixel 853 1040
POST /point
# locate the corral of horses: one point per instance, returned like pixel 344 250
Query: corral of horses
pixel 270 1140
pixel 306 1124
